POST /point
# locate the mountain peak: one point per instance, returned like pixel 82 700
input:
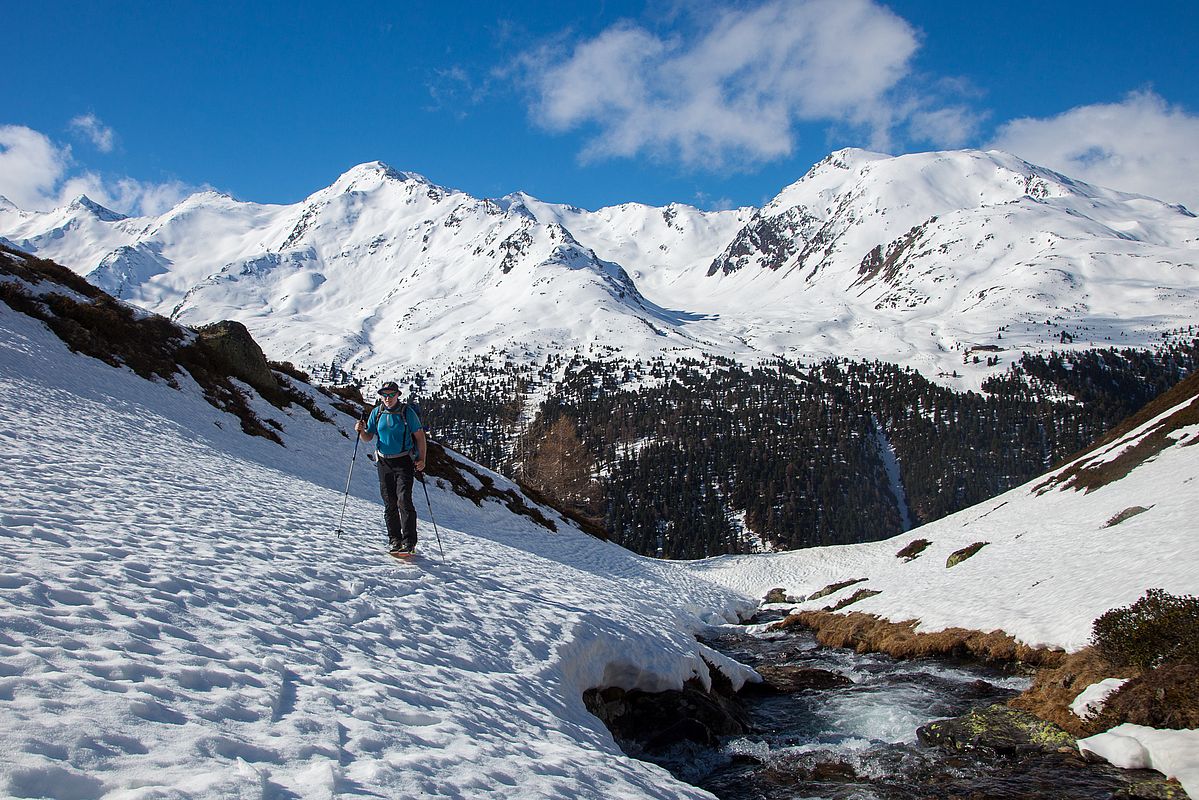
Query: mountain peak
pixel 85 203
pixel 370 175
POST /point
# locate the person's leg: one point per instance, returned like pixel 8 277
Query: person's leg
pixel 407 509
pixel 389 491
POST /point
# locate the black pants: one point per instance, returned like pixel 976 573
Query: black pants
pixel 395 485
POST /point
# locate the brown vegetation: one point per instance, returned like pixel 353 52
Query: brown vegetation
pixel 834 587
pixel 459 476
pixel 913 549
pixel 1166 697
pixel 559 466
pixel 867 633
pixel 95 324
pixel 1055 688
pixel 860 594
pixel 1127 513
pixel 1160 628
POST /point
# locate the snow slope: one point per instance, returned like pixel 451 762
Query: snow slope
pixel 177 618
pixel 1052 564
pixel 918 260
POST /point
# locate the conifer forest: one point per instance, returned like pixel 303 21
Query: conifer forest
pixel 697 458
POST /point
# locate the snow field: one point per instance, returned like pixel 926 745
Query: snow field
pixel 177 618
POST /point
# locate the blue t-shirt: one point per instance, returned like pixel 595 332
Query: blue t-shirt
pixel 394 429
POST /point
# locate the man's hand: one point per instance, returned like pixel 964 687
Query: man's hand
pixel 360 426
pixel 419 464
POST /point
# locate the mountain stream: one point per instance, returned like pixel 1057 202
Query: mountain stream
pixel 858 741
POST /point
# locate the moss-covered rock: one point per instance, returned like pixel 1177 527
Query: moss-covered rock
pixel 997 729
pixel 958 556
pixel 777 595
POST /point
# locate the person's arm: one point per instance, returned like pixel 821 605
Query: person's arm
pixel 418 436
pixel 363 428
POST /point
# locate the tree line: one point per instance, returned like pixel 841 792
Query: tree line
pixel 700 457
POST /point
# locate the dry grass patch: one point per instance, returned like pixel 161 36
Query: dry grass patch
pixel 1127 513
pixel 1089 476
pixel 867 633
pixel 1055 688
pixel 860 594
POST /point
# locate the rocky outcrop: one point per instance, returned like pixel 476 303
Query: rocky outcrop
pixel 232 346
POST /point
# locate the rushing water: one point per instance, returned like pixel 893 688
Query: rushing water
pixel 858 742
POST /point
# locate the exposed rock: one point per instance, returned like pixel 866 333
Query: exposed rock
pixel 232 346
pixel 777 595
pixel 958 556
pixel 659 720
pixel 997 729
pixel 784 679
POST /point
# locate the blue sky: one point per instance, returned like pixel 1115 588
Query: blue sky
pixel 713 104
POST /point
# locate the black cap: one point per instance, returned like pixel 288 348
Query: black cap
pixel 390 386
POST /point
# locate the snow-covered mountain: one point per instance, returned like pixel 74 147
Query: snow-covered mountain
pixel 917 259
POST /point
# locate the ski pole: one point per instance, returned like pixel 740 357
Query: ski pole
pixel 357 439
pixel 430 505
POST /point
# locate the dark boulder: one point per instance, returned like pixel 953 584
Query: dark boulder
pixel 783 679
pixel 231 345
pixel 659 720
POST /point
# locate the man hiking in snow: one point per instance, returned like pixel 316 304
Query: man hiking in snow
pixel 401 454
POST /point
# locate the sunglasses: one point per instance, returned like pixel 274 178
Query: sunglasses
pixel 390 394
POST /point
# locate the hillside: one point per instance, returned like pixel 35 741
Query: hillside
pixel 178 617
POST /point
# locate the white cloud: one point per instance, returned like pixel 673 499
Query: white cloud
pixel 735 90
pixel 36 174
pixel 954 126
pixel 31 166
pixel 1142 145
pixel 90 126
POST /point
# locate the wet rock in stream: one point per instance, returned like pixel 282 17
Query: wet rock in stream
pixel 786 678
pixel 997 730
